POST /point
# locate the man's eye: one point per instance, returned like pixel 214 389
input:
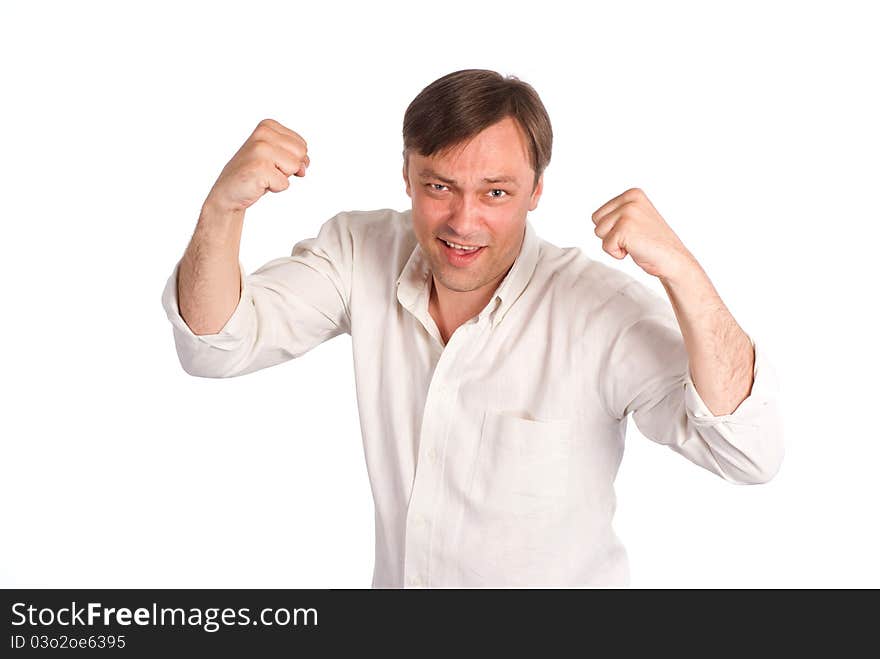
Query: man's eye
pixel 435 187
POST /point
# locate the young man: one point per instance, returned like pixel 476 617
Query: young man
pixel 495 372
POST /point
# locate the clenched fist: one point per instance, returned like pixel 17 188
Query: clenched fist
pixel 629 224
pixel 268 157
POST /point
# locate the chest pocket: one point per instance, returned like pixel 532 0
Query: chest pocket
pixel 513 520
pixel 521 464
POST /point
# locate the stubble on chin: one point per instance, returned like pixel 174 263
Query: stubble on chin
pixel 465 282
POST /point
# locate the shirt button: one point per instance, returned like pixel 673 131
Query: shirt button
pixel 415 580
pixel 419 519
pixel 432 455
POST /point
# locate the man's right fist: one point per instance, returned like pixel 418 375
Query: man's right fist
pixel 264 162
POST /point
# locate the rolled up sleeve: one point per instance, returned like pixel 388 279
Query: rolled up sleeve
pixel 287 307
pixel 647 373
pixel 748 441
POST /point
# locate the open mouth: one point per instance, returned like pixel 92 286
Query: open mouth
pixel 460 256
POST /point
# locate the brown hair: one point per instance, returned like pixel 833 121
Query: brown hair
pixel 456 107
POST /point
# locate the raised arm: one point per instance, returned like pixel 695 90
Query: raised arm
pixel 647 373
pixel 208 286
pixel 227 323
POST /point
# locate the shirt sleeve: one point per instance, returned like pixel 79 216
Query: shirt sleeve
pixel 286 307
pixel 648 373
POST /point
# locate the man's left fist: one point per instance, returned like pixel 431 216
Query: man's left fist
pixel 629 224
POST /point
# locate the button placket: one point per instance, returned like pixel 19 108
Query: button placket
pixel 437 417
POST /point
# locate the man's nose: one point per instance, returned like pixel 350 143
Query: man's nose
pixel 465 219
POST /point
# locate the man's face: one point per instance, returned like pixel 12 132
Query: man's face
pixel 452 200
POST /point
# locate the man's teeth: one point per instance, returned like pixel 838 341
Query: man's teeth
pixel 454 246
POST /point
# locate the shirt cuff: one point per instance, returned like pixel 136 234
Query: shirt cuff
pixel 765 387
pixel 230 335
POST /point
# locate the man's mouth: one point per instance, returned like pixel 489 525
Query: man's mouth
pixel 460 254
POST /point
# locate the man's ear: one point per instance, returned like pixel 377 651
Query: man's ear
pixel 536 195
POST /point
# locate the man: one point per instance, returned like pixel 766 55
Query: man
pixel 495 371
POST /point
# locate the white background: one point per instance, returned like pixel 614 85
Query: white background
pixel 752 127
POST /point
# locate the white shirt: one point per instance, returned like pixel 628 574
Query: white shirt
pixel 492 458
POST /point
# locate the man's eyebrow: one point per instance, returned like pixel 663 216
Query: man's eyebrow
pixel 430 173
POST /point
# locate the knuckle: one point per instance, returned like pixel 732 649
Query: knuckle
pixel 628 209
pixel 635 193
pixel 261 147
pixel 264 131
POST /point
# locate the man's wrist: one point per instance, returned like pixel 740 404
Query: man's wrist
pixel 219 223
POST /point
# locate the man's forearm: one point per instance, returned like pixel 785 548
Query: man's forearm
pixel 721 356
pixel 208 283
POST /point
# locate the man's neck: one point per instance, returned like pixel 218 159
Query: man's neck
pixel 451 309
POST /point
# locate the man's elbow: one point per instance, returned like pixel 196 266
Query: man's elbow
pixel 199 371
pixel 209 363
pixel 763 468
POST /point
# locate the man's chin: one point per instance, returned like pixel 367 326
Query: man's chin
pixel 460 284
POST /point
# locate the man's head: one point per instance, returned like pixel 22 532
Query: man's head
pixel 462 134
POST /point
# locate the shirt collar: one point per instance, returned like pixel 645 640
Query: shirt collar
pixel 414 281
